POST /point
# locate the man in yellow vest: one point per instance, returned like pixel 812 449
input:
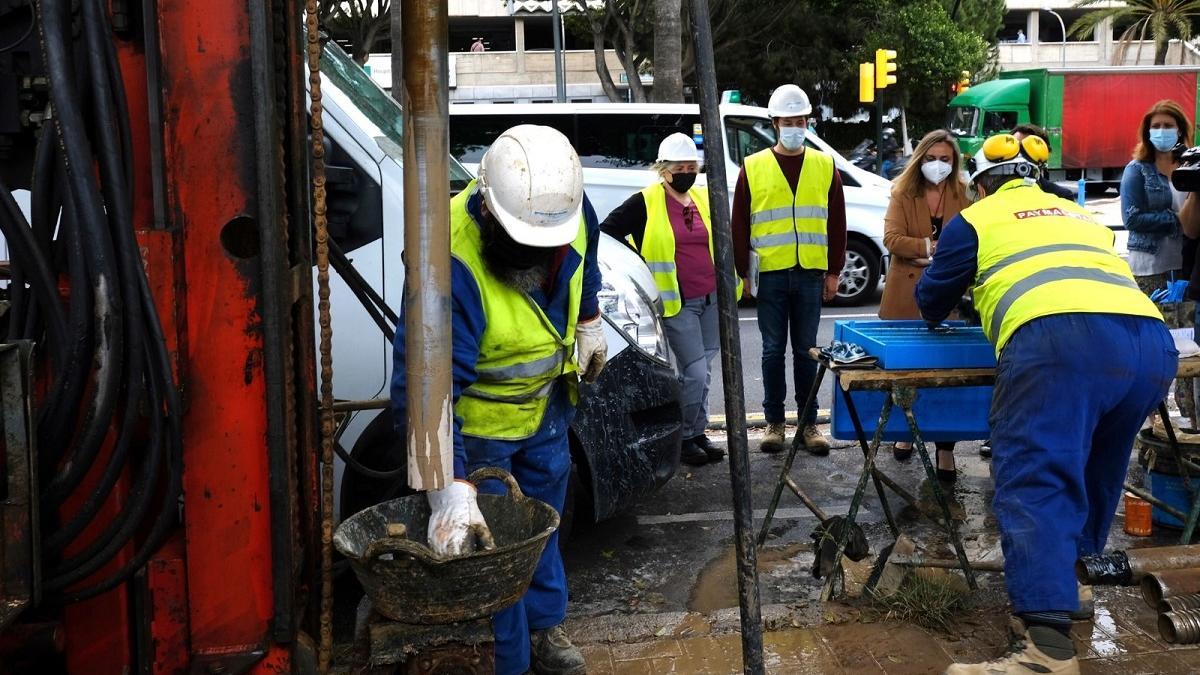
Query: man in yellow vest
pixel 1083 358
pixel 789 242
pixel 524 278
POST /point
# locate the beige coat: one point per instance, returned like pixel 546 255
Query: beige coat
pixel 906 232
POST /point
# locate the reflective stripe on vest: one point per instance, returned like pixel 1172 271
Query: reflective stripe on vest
pixel 658 243
pixel 786 228
pixel 1040 255
pixel 521 354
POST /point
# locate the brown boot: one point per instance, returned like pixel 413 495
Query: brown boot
pixel 1025 654
pixel 814 441
pixel 773 441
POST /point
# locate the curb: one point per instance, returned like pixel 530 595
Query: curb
pixel 759 421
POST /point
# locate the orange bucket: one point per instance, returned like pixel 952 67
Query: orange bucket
pixel 1137 515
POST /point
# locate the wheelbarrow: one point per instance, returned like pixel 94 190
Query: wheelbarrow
pixel 388 551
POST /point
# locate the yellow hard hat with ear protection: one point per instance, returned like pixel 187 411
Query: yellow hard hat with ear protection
pixel 1004 154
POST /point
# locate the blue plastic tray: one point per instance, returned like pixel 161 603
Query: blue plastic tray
pixel 905 345
pixel 946 414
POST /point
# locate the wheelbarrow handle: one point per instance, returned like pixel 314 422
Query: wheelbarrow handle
pixel 496 473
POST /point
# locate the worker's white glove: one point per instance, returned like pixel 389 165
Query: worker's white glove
pixel 592 348
pixel 456 527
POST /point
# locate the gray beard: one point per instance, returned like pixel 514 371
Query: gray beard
pixel 523 280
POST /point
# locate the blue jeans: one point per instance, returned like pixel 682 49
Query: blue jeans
pixel 695 339
pixel 542 466
pixel 789 303
pixel 1072 391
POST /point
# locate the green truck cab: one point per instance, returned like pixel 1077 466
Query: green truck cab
pixel 1091 115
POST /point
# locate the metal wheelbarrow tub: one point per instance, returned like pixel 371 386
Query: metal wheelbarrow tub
pixel 407 582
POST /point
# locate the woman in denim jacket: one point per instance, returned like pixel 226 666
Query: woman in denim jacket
pixel 1149 204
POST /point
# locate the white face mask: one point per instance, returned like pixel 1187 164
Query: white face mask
pixel 936 171
pixel 791 138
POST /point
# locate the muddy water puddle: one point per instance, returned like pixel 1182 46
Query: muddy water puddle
pixel 717 588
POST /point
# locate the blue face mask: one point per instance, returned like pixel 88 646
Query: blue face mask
pixel 1164 139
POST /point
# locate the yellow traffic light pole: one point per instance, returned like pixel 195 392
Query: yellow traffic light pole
pixel 884 68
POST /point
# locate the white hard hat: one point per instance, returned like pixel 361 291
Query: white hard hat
pixel 531 181
pixel 789 101
pixel 678 148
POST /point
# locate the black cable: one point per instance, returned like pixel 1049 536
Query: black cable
pixel 363 299
pixel 367 471
pixel 338 258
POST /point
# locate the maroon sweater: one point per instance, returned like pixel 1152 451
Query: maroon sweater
pixel 835 227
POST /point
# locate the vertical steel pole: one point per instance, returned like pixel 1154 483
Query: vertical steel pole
pixel 731 351
pixel 560 77
pixel 427 243
pixel 878 134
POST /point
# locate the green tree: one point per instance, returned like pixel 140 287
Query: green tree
pixel 1158 20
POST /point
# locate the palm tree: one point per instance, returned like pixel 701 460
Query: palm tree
pixel 1160 20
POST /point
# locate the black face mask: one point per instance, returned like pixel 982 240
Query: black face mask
pixel 502 253
pixel 682 182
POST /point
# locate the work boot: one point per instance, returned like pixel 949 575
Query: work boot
pixel 553 654
pixel 690 454
pixel 714 453
pixel 814 441
pixel 774 440
pixel 1087 604
pixel 1032 650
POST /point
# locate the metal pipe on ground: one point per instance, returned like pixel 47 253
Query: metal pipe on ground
pixel 1180 628
pixel 1168 584
pixel 1180 603
pixel 1127 568
pixel 427 242
pixel 731 353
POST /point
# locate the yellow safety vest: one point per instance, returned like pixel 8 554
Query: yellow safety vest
pixel 520 354
pixel 789 228
pixel 1041 255
pixel 658 243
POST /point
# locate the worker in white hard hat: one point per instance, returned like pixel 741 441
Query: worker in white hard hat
pixel 789 241
pixel 526 326
pixel 669 226
pixel 1083 357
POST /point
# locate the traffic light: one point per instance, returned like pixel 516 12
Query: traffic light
pixel 884 67
pixel 866 83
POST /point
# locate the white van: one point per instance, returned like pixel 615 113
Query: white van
pixel 625 438
pixel 617 143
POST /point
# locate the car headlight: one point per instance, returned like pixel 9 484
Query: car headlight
pixel 625 306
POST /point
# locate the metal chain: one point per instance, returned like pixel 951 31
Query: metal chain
pixel 325 647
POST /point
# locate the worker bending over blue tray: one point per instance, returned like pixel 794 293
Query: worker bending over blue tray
pixel 1083 358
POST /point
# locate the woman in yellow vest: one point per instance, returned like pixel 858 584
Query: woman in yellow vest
pixel 668 225
pixel 926 195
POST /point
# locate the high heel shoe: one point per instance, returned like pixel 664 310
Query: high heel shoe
pixel 945 475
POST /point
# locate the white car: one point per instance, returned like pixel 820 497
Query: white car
pixel 617 143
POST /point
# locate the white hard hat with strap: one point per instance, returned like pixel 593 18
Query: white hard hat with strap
pixel 532 182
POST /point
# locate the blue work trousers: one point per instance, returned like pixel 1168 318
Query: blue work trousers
pixel 695 339
pixel 541 464
pixel 789 303
pixel 1072 391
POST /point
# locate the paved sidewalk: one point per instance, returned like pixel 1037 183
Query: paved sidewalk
pixel 1122 639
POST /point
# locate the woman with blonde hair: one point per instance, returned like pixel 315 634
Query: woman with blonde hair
pixel 926 195
pixel 668 225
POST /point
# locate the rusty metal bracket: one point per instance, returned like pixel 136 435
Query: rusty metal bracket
pixel 19 545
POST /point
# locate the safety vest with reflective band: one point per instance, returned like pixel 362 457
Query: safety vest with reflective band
pixel 658 243
pixel 521 354
pixel 786 228
pixel 1041 255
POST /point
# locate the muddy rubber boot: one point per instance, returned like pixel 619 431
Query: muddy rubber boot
pixel 814 441
pixel 774 440
pixel 1087 604
pixel 690 454
pixel 1036 649
pixel 714 453
pixel 553 654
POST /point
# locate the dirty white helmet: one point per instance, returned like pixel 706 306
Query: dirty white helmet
pixel 789 101
pixel 531 181
pixel 678 148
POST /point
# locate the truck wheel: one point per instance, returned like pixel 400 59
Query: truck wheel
pixel 379 447
pixel 860 274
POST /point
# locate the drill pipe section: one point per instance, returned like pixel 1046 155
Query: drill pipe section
pixel 1180 603
pixel 1180 628
pixel 1127 568
pixel 1169 584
